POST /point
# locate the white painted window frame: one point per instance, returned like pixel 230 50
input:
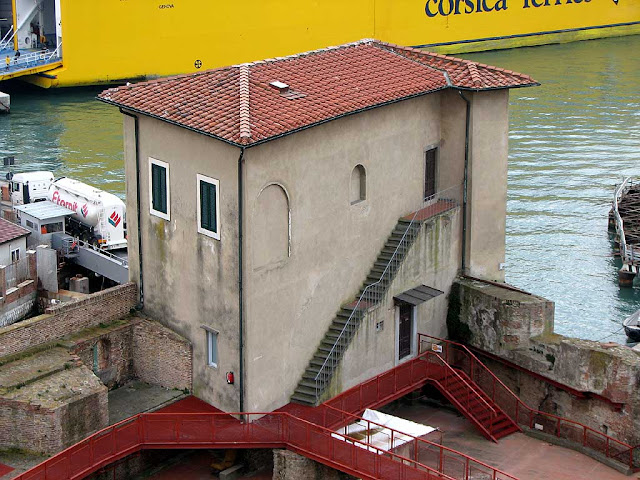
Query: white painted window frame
pixel 12 250
pixel 215 182
pixel 165 165
pixel 212 335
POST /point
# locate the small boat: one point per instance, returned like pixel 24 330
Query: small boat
pixel 631 326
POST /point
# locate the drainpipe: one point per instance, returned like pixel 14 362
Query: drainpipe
pixel 465 183
pixel 136 133
pixel 240 277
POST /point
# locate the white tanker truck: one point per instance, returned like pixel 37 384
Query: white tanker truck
pixel 99 218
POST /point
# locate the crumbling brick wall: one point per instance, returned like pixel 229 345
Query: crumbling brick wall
pixel 108 352
pixel 161 356
pixel 68 318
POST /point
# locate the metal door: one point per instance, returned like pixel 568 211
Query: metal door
pixel 405 330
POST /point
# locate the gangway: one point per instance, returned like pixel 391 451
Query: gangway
pixel 112 266
pixel 29 63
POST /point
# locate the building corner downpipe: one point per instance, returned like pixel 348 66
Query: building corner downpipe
pixel 240 278
pixel 136 131
pixel 465 183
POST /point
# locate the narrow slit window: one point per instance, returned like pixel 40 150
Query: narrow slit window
pixel 209 206
pixel 430 173
pixel 159 188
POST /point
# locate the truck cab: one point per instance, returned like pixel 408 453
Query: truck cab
pixel 29 187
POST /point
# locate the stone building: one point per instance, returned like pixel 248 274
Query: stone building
pixel 300 219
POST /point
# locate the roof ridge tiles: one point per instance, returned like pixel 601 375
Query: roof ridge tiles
pixel 245 116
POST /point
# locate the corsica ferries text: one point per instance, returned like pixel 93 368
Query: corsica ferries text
pixel 433 8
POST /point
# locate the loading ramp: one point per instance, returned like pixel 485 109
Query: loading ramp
pixel 114 266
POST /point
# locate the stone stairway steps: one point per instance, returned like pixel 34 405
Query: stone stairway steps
pixel 305 392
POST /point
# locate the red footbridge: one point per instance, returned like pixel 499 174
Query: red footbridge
pixel 320 433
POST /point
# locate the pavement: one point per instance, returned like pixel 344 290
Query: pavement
pixel 517 454
pixel 138 397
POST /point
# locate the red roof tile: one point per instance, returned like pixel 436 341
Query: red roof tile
pixel 237 104
pixel 10 231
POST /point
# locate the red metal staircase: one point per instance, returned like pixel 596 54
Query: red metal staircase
pixel 469 399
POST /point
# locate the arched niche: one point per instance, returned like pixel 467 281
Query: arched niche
pixel 271 226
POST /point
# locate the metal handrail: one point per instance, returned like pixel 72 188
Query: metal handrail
pixel 77 242
pixel 626 251
pixel 34 58
pixel 137 428
pixel 371 296
pixel 468 460
pixel 4 43
pixel 520 405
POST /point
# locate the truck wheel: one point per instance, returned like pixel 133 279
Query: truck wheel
pixel 94 242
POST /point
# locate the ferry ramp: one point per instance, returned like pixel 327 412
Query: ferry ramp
pixel 28 63
pixel 113 266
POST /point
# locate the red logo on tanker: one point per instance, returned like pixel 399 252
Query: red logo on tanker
pixel 70 205
pixel 114 219
pixel 84 210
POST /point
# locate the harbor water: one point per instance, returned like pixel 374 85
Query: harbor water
pixel 571 140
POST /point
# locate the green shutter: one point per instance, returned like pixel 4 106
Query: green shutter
pixel 208 206
pixel 159 188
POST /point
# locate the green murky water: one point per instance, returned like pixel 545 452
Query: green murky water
pixel 571 140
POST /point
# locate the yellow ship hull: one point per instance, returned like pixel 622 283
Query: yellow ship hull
pixel 114 40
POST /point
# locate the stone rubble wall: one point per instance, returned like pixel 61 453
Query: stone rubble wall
pixel 518 327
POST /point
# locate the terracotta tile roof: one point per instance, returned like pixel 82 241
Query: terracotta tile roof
pixel 10 231
pixel 238 105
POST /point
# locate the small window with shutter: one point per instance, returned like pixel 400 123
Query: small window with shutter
pixel 159 194
pixel 208 206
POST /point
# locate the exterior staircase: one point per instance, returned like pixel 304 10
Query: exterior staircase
pixel 348 319
pixel 470 400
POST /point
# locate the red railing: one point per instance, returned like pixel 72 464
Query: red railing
pixel 410 375
pixel 577 433
pixel 436 456
pixel 221 430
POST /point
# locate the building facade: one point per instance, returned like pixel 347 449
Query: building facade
pixel 301 219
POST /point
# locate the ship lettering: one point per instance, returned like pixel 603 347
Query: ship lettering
pixel 165 5
pixel 444 8
pixel 546 3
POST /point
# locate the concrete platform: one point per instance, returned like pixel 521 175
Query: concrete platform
pixel 519 455
pixel 138 397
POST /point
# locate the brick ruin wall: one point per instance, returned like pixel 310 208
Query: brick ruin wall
pixel 603 379
pixel 110 344
pixel 161 357
pixel 68 318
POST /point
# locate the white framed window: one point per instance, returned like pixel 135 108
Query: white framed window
pixel 15 255
pixel 159 191
pixel 212 347
pixel 208 206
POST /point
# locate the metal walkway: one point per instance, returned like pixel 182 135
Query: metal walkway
pixel 29 62
pixel 316 432
pixel 112 266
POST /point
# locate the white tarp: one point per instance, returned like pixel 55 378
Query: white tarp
pixel 378 434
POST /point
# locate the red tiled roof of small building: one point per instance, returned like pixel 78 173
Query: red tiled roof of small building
pixel 10 231
pixel 238 105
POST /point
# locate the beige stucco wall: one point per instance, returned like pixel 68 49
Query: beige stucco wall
pixel 290 304
pixel 190 279
pixel 434 260
pixel 487 184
